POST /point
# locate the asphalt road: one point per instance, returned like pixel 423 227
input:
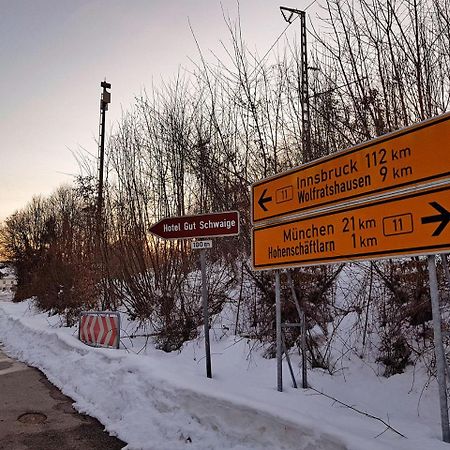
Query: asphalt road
pixel 35 415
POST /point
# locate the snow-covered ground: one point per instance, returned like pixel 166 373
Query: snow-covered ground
pixel 157 400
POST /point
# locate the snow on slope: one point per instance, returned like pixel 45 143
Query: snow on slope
pixel 155 400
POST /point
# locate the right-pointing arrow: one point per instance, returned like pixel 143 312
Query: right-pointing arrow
pixel 262 200
pixel 443 218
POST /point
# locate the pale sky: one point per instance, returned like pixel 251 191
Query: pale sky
pixel 55 53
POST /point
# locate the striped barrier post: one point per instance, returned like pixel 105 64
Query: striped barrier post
pixel 99 329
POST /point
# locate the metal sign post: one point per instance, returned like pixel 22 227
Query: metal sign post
pixel 439 348
pixel 301 315
pixel 205 312
pixel 278 331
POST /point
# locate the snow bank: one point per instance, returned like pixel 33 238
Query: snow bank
pixel 164 401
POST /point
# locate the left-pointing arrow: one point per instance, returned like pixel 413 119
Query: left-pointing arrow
pixel 443 218
pixel 158 228
pixel 263 200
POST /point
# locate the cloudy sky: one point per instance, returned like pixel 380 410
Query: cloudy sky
pixel 55 53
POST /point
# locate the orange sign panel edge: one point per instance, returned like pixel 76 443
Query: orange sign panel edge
pixel 368 182
pixel 402 225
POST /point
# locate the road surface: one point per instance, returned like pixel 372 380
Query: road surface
pixel 34 415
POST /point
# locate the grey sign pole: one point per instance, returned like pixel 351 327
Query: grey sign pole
pixel 205 312
pixel 439 348
pixel 302 318
pixel 278 331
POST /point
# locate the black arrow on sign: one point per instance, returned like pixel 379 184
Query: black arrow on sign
pixel 263 200
pixel 443 217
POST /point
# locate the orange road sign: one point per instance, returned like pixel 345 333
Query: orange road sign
pixel 414 155
pixel 411 224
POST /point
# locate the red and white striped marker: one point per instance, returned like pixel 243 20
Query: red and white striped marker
pixel 100 329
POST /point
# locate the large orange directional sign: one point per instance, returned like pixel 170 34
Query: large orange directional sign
pixel 411 224
pixel 417 154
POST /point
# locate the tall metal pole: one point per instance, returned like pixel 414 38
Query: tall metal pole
pixel 278 331
pixel 104 101
pixel 288 14
pixel 306 123
pixel 439 348
pixel 205 312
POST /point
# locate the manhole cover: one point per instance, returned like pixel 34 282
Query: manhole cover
pixel 32 418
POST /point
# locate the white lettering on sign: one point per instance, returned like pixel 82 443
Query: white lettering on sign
pixel 198 245
pixel 212 224
pixel 171 227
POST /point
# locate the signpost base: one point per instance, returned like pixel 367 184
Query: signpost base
pixel 205 312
